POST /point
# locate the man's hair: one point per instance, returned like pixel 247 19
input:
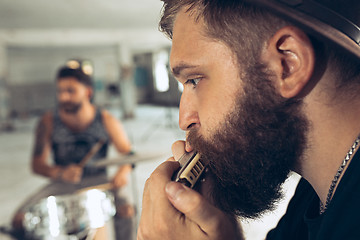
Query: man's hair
pixel 77 73
pixel 245 28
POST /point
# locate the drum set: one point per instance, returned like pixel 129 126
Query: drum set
pixel 69 217
pixel 74 216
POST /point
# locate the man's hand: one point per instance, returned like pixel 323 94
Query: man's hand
pixel 173 211
pixel 72 174
pixel 121 177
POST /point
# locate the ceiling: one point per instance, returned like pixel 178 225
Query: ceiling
pixel 79 14
pixel 81 22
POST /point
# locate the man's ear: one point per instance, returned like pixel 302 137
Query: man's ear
pixel 90 93
pixel 289 53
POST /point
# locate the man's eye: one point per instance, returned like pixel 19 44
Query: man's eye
pixel 70 90
pixel 193 81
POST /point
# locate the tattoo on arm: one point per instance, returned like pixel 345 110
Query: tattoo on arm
pixel 40 138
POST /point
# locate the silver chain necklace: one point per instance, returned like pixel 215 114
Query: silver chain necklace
pixel 337 176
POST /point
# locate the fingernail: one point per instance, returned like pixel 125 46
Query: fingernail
pixel 174 190
pixel 188 148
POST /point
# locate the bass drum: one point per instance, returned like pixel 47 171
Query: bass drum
pixel 66 217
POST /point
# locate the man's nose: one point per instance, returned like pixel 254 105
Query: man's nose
pixel 63 96
pixel 188 115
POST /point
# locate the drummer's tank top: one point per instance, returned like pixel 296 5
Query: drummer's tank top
pixel 71 147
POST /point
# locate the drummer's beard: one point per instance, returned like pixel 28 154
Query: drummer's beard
pixel 70 107
pixel 252 153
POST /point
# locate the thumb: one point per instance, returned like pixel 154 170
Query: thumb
pixel 195 207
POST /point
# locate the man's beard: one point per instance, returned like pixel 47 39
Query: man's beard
pixel 70 107
pixel 252 153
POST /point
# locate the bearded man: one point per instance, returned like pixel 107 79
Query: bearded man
pixel 270 87
pixel 77 134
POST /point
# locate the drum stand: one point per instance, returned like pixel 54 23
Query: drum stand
pixel 135 195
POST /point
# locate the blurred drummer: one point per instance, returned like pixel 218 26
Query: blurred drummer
pixel 78 133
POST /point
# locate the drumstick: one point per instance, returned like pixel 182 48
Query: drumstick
pixel 92 152
pixel 104 186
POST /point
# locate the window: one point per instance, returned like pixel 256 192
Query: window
pixel 161 73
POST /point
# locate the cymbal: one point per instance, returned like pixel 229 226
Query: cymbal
pixel 131 159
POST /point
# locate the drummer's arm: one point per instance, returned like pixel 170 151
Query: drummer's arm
pixel 122 144
pixel 41 150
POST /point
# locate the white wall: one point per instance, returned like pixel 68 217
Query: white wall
pixel 32 70
pixel 37 64
pixel 33 57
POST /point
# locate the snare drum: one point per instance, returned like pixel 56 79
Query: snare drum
pixel 68 216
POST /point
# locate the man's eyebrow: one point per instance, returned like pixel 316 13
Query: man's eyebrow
pixel 179 68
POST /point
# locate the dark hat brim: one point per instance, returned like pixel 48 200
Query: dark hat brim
pixel 319 20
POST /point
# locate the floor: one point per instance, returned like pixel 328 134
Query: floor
pixel 152 132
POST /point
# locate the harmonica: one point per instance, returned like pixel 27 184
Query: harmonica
pixel 191 168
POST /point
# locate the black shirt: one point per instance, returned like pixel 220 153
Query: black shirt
pixel 71 147
pixel 341 220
